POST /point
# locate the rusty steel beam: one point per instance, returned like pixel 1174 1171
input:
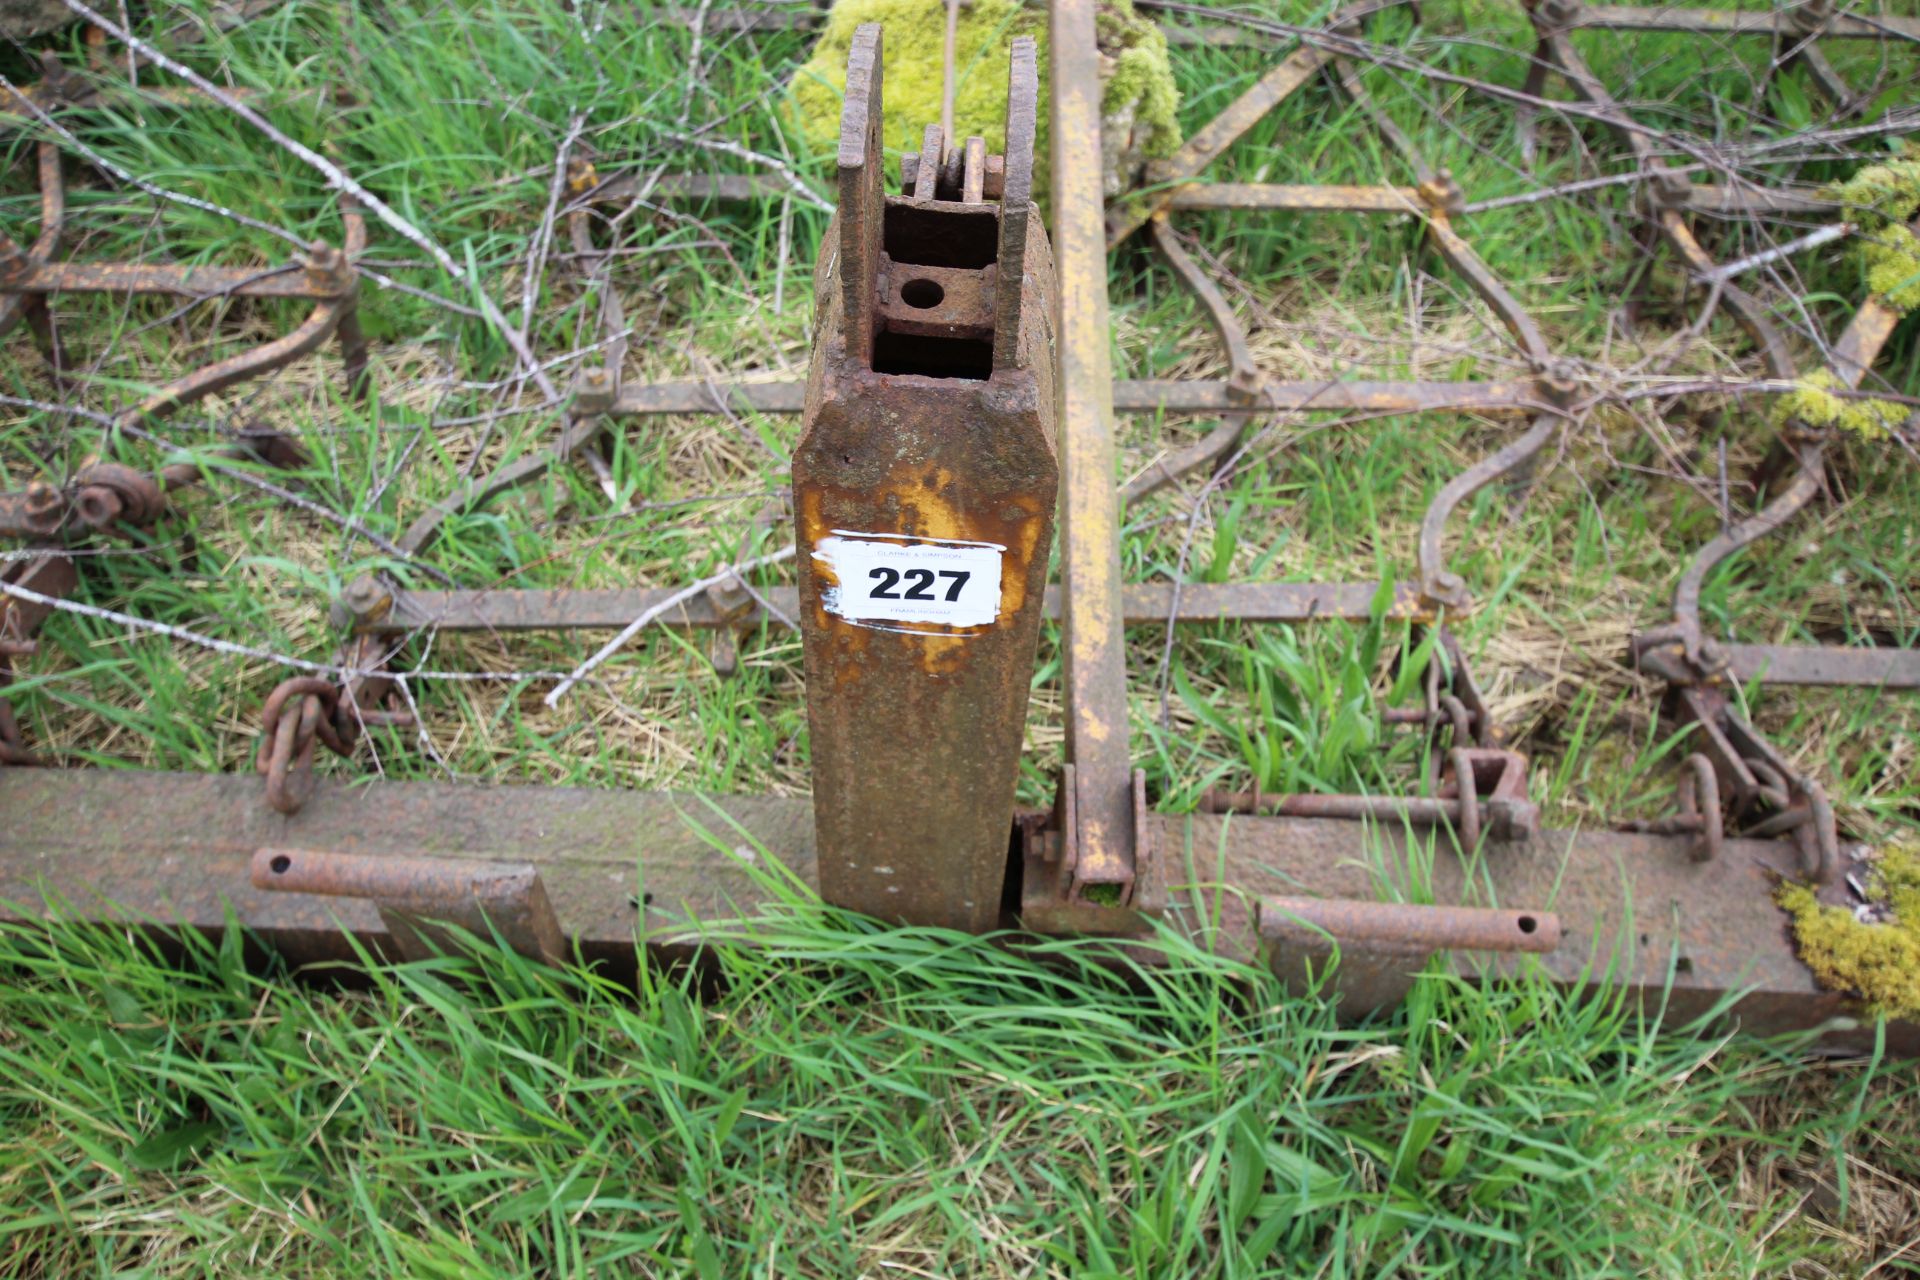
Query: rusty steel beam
pixel 1746 200
pixel 1328 395
pixel 1781 22
pixel 1294 198
pixel 1102 849
pixel 1883 668
pixel 924 489
pixel 1130 395
pixel 667 872
pixel 1141 604
pixel 743 188
pixel 314 280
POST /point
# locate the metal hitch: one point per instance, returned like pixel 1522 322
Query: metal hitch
pixel 924 490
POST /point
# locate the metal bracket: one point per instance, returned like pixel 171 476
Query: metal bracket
pixel 1381 947
pixel 418 897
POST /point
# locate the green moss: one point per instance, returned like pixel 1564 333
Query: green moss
pixel 1881 200
pixel 1879 962
pixel 1139 76
pixel 1813 402
pixel 1139 79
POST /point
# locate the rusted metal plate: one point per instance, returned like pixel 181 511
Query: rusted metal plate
pixel 924 489
pixel 621 866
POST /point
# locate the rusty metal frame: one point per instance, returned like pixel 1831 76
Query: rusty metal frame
pixel 1101 860
pixel 1760 786
pixel 104 498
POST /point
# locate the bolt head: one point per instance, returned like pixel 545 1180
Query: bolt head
pixel 98 506
pixel 42 498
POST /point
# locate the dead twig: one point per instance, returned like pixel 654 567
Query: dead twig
pixel 674 601
pixel 339 180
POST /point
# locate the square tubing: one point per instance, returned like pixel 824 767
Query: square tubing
pixel 924 490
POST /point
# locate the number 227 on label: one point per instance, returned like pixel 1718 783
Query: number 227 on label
pixel 951 583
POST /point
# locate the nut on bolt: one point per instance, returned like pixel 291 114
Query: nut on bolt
pixel 1443 195
pixel 1670 189
pixel 729 596
pixel 327 267
pixel 364 601
pixel 1558 13
pixel 1448 588
pixel 1810 16
pixel 1559 382
pixel 593 391
pixel 42 499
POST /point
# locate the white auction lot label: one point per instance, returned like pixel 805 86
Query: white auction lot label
pixel 889 578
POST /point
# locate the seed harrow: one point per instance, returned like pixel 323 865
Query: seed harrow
pixel 957 418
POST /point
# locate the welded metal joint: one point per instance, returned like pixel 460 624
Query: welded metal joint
pixel 1056 894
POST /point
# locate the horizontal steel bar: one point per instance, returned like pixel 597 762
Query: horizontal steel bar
pixel 1135 396
pixel 730 188
pixel 1825 665
pixel 21 275
pixel 1749 22
pixel 173 850
pixel 1142 604
pixel 1271 195
pixel 1409 925
pixel 1215 35
pixel 1728 200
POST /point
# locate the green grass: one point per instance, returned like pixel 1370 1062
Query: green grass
pixel 843 1100
pixel 837 1099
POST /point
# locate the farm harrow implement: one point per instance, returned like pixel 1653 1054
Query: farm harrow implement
pixel 957 417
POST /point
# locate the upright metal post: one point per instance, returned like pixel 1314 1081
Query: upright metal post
pixel 924 490
pixel 1100 852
